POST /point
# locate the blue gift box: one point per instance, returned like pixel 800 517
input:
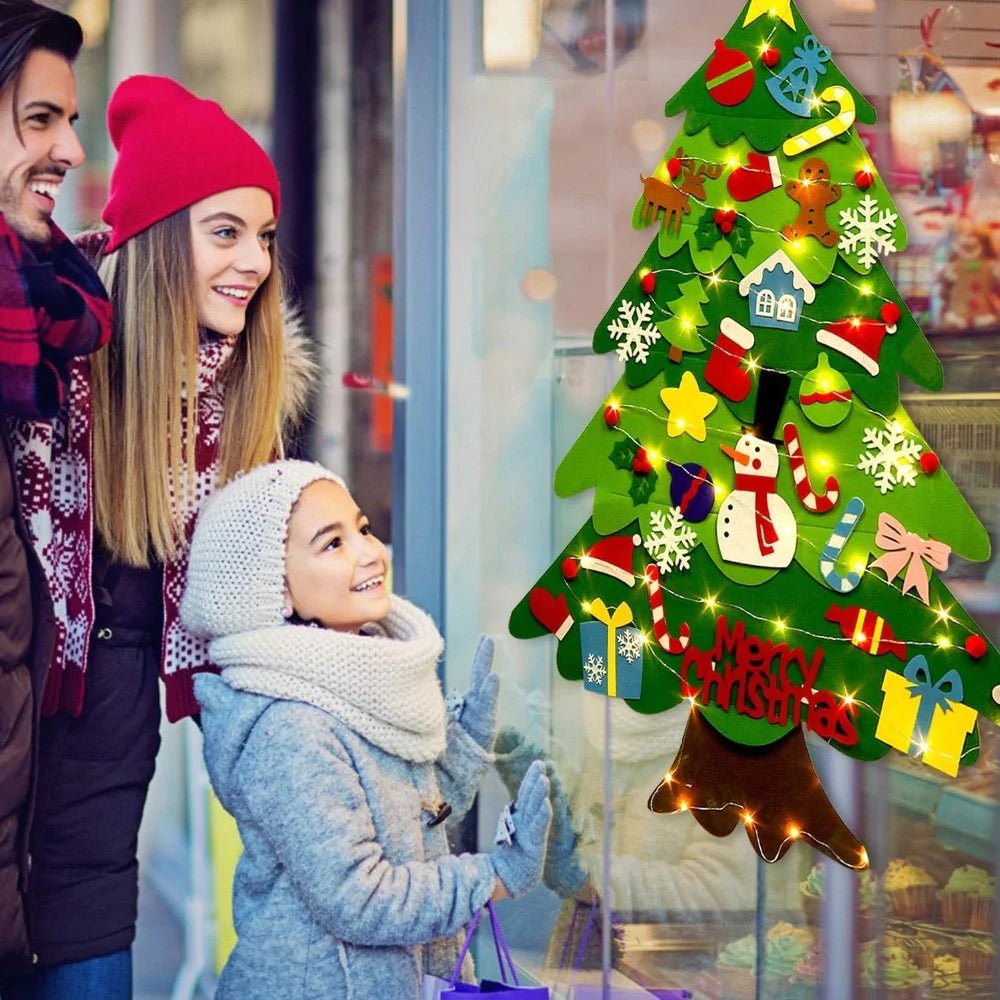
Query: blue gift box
pixel 612 658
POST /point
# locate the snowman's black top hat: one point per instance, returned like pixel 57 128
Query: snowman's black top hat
pixel 772 391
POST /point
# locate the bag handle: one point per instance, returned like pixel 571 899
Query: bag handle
pixel 499 942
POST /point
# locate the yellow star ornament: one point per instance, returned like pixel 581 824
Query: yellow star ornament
pixel 688 407
pixel 777 8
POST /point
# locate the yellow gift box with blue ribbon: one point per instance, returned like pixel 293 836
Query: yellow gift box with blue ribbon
pixel 925 718
pixel 612 652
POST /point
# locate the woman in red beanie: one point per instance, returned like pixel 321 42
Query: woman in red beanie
pixel 201 379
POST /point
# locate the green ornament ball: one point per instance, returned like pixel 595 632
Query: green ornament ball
pixel 825 395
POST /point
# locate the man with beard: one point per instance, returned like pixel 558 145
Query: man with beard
pixel 53 309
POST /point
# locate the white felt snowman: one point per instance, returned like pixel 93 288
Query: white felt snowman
pixel 755 526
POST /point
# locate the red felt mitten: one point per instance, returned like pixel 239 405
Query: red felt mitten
pixel 551 610
pixel 760 175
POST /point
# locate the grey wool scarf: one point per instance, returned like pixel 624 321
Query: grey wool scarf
pixel 382 683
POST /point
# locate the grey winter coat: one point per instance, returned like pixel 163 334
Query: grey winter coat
pixel 343 891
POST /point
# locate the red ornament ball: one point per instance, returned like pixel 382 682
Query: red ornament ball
pixel 929 462
pixel 612 416
pixel 891 313
pixel 674 168
pixel 641 465
pixel 570 568
pixel 976 646
pixel 729 75
pixel 864 179
pixel 770 57
pixel 648 283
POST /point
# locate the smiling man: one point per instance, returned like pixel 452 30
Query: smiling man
pixel 52 310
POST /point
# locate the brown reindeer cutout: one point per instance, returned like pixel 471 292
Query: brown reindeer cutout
pixel 674 200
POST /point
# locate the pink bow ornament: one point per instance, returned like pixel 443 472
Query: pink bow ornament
pixel 906 550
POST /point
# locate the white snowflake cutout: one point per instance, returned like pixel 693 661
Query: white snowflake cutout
pixel 594 669
pixel 629 645
pixel 868 231
pixel 890 457
pixel 670 540
pixel 633 331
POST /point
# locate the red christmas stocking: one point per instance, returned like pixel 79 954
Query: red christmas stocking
pixel 724 370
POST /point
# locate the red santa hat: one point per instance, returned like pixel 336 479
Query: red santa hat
pixel 613 556
pixel 860 338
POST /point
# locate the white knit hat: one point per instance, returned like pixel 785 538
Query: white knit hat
pixel 236 567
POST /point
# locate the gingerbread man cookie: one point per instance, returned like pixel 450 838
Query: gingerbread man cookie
pixel 814 194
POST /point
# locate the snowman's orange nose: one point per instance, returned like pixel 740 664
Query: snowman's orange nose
pixel 737 456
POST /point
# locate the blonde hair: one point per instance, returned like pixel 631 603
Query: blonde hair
pixel 145 386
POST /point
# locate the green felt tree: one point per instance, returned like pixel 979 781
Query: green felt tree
pixel 680 330
pixel 768 525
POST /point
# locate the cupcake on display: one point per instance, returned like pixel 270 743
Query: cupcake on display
pixel 785 945
pixel 984 907
pixel 947 974
pixel 910 889
pixel 893 974
pixel 869 894
pixel 736 969
pixel 976 956
pixel 964 886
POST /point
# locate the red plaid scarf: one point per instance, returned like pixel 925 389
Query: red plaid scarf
pixel 53 308
pixel 56 460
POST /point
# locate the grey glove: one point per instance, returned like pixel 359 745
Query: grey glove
pixel 562 872
pixel 476 710
pixel 519 864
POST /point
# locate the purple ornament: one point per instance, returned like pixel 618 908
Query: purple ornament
pixel 691 490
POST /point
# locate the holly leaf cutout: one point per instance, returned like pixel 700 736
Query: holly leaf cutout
pixel 623 454
pixel 642 488
pixel 707 233
pixel 742 236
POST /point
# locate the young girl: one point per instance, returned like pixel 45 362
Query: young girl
pixel 201 378
pixel 327 738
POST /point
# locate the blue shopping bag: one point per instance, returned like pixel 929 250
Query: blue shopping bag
pixel 511 988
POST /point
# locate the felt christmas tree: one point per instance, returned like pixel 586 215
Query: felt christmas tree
pixel 769 526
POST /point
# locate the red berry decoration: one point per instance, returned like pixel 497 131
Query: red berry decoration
pixel 729 75
pixel 612 416
pixel 648 283
pixel 864 179
pixel 770 57
pixel 890 314
pixel 641 465
pixel 725 220
pixel 929 462
pixel 976 646
pixel 674 167
pixel 570 568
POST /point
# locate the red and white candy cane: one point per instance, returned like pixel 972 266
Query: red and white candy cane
pixel 797 460
pixel 672 644
pixel 818 134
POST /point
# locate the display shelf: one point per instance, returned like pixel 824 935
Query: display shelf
pixel 965 821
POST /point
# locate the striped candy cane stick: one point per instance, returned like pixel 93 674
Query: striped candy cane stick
pixel 819 134
pixel 672 644
pixel 845 582
pixel 797 460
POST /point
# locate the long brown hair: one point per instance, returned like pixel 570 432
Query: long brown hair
pixel 145 385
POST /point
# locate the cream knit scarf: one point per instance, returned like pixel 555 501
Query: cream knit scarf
pixel 382 684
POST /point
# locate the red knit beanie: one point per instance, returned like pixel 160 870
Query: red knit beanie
pixel 173 150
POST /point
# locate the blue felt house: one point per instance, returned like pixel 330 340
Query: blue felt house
pixel 777 291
